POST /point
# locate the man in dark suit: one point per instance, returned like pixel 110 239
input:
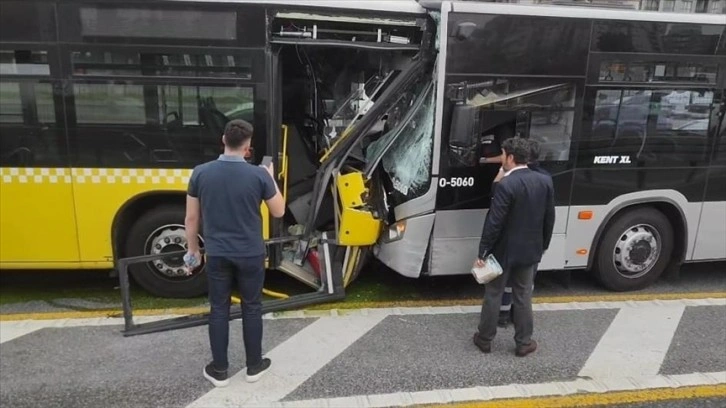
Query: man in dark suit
pixel 517 231
pixel 505 310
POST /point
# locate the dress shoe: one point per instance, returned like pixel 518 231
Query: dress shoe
pixel 484 346
pixel 525 350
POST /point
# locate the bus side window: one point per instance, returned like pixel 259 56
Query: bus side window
pixel 654 127
pixel 30 134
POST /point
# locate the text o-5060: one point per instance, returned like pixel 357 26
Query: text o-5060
pixel 456 182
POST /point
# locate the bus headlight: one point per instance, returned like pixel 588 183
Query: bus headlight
pixel 395 232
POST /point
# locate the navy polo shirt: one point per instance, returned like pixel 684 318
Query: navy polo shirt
pixel 230 192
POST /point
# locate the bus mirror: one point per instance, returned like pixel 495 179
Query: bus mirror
pixel 464 125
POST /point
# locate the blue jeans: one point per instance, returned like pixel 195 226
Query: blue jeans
pixel 249 274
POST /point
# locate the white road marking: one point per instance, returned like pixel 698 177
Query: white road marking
pixel 293 362
pixel 552 389
pixel 10 333
pixel 14 329
pixel 635 344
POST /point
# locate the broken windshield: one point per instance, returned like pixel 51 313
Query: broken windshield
pixel 404 152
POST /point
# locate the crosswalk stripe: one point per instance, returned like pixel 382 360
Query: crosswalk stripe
pixel 635 344
pixel 14 329
pixel 293 362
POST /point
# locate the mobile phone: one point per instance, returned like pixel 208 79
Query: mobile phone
pixel 266 161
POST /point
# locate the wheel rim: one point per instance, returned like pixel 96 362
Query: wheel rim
pixel 636 251
pixel 165 239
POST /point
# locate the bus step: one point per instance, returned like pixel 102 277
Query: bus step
pixel 299 273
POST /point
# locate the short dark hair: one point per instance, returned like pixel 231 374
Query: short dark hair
pixel 517 147
pixel 534 150
pixel 237 132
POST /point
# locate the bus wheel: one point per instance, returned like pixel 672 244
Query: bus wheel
pixel 160 231
pixel 635 250
pixel 364 256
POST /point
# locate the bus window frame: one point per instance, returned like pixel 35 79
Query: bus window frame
pixel 53 53
pixel 74 139
pixel 250 33
pixel 597 58
pixel 256 56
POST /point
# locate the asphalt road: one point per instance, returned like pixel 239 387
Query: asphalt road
pixel 379 358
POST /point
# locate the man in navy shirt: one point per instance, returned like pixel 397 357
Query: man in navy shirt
pixel 227 193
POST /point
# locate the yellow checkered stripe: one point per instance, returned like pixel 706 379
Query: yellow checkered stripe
pixel 93 176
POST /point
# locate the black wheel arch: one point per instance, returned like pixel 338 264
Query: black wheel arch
pixel 665 205
pixel 132 209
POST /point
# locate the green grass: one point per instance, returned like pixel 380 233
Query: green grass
pixel 376 284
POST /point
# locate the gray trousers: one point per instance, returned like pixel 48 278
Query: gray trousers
pixel 522 280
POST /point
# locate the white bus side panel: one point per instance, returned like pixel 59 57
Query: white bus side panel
pixel 456 241
pixel 711 239
pixel 406 256
pixel 581 233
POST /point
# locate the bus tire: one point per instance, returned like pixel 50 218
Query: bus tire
pixel 364 257
pixel 161 230
pixel 635 250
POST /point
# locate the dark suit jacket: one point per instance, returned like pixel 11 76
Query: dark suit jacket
pixel 518 227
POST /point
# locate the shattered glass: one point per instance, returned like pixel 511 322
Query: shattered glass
pixel 408 158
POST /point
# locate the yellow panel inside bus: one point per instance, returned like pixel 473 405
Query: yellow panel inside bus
pixel 37 220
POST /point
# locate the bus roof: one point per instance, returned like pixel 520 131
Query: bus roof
pixel 598 13
pixel 421 6
pixel 401 6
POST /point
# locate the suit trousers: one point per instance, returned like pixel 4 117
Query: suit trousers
pixel 522 280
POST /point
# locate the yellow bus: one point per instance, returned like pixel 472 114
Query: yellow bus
pixel 105 107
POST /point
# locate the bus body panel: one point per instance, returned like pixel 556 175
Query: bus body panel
pixel 583 234
pixel 711 240
pixel 100 193
pixel 77 208
pixel 406 255
pixel 37 217
pixel 457 233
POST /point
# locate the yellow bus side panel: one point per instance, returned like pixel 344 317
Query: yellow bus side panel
pixel 37 220
pixel 100 194
pixel 62 218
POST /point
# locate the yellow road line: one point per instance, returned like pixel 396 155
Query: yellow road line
pixel 368 304
pixel 598 399
pixel 543 299
pixel 89 314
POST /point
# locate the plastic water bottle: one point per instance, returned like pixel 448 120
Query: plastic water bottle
pixel 190 260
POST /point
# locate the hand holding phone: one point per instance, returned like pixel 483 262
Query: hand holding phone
pixel 268 165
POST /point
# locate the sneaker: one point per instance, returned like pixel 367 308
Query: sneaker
pixel 255 373
pixel 218 378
